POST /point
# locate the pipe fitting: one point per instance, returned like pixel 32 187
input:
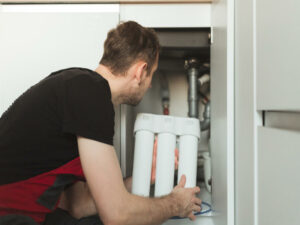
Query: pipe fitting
pixel 205 123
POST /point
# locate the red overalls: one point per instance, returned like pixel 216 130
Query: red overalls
pixel 39 195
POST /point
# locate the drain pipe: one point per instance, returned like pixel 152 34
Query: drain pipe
pixel 203 79
pixel 191 65
pixel 205 123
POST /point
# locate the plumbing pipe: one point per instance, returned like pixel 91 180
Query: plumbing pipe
pixel 205 123
pixel 193 92
pixel 203 79
pixel 207 170
pixel 192 66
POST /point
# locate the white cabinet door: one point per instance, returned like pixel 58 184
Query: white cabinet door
pixel 167 15
pixel 244 116
pixel 222 111
pixel 36 40
pixel 278 54
pixel 278 176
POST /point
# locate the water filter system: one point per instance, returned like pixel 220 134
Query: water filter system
pixel 181 88
pixel 169 129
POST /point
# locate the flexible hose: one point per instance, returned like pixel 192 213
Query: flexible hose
pixel 198 213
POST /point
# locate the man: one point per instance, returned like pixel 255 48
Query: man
pixel 56 148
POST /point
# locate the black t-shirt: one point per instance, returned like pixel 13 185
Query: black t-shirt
pixel 38 131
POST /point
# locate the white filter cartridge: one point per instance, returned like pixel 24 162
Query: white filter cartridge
pixel 142 163
pixel 188 149
pixel 165 164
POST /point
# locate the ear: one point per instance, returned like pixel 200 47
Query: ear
pixel 141 71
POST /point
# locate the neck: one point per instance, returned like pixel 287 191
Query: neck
pixel 114 81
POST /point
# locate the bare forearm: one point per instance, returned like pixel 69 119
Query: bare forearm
pixel 77 199
pixel 136 210
pixel 149 211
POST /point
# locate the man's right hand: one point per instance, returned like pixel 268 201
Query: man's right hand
pixel 186 200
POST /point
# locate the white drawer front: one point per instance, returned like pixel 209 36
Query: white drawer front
pixel 278 176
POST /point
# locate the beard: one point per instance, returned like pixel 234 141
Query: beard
pixel 133 100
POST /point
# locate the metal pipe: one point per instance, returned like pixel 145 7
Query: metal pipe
pixel 193 92
pixel 203 79
pixel 205 123
pixel 193 73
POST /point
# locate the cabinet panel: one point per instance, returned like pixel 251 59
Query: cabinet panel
pixel 167 15
pixel 278 176
pixel 104 1
pixel 36 40
pixel 278 71
pixel 222 111
pixel 244 116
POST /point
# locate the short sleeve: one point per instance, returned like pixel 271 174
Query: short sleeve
pixel 88 110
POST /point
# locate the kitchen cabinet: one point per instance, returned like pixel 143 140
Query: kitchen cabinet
pixel 39 39
pixel 266 111
pixel 278 176
pixel 277 99
pixel 244 114
pixel 253 71
pixel 278 71
pixel 167 15
pixel 106 1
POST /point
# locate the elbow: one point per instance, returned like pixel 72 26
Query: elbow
pixel 116 220
pixel 113 222
pixel 119 215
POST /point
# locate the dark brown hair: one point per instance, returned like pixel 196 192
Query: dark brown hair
pixel 126 44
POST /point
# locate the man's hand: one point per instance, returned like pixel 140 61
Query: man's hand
pixel 186 199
